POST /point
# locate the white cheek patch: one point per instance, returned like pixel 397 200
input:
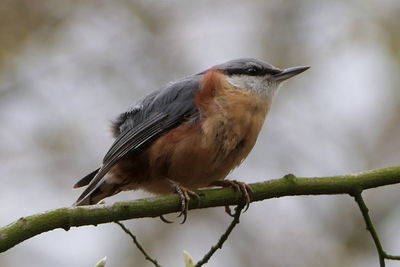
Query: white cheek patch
pixel 258 84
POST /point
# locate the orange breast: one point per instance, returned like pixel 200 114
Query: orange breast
pixel 196 154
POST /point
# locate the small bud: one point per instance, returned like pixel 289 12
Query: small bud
pixel 188 259
pixel 102 262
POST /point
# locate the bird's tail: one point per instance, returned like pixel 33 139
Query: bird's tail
pixel 87 179
pixel 97 190
pixel 94 197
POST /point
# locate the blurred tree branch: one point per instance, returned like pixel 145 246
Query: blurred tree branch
pixel 223 237
pixel 64 218
pixel 370 227
pixel 138 245
pixel 207 256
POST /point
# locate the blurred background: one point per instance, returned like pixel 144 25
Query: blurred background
pixel 67 68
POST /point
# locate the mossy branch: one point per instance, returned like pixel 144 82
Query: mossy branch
pixel 64 218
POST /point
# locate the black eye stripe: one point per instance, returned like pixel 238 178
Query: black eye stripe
pixel 249 69
pixel 253 71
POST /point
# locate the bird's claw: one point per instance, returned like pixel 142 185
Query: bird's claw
pixel 165 219
pixel 241 187
pixel 185 195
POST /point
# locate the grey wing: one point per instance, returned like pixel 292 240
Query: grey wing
pixel 139 127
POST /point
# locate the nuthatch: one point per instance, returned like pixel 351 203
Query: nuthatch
pixel 189 134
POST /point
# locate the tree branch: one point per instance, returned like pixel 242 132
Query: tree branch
pixel 138 245
pixel 223 237
pixel 370 227
pixel 64 218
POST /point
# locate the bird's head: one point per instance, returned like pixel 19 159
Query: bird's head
pixel 255 75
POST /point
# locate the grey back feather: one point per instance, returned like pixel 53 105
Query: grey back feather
pixel 137 128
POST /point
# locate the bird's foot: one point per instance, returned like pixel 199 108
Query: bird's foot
pixel 246 191
pixel 185 195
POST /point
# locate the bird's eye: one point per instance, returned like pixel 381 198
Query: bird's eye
pixel 252 71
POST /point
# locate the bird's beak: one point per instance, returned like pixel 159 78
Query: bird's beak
pixel 289 73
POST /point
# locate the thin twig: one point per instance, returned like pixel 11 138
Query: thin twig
pixel 370 227
pixel 223 237
pixel 147 257
pixel 392 257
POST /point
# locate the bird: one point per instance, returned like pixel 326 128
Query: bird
pixel 189 134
